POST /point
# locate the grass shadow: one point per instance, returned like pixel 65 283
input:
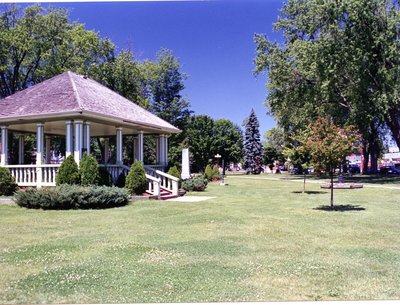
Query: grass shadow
pixel 340 208
pixel 309 192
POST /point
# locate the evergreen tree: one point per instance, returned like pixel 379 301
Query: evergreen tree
pixel 252 145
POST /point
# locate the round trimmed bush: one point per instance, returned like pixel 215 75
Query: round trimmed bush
pixel 173 171
pixel 66 197
pixel 136 179
pixel 208 172
pixel 68 173
pixel 89 170
pixel 198 184
pixel 7 182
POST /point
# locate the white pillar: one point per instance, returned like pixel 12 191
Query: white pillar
pixel 140 142
pixel 158 149
pixel 48 142
pixel 78 140
pixel 68 138
pixel 86 137
pixel 39 143
pixel 166 149
pixel 106 150
pixel 21 149
pixel 39 153
pixel 4 146
pixel 119 146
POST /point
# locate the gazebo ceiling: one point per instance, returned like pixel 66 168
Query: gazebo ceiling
pixel 71 96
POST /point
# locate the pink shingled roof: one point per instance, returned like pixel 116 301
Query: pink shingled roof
pixel 70 92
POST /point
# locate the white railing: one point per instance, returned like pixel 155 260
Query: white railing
pixel 34 175
pixel 168 182
pixel 156 167
pixel 115 170
pixel 153 183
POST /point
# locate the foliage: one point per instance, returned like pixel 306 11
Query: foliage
pixel 89 170
pixel 228 141
pixel 68 173
pixel 201 137
pixel 65 197
pixel 208 172
pixel 136 179
pixel 197 184
pixel 252 145
pixel 7 182
pixel 173 171
pixel 328 145
pixel 338 60
pixel 215 173
pixel 275 138
pixel 271 155
pixel 105 177
pixel 121 180
pixel 208 138
pixel 40 43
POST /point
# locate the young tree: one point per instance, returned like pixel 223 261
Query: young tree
pixel 328 145
pixel 252 145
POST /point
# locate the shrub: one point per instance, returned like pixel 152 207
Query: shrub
pixel 89 170
pixel 68 172
pixel 173 171
pixel 121 181
pixel 198 183
pixel 105 177
pixel 136 179
pixel 215 173
pixel 208 172
pixel 66 197
pixel 7 182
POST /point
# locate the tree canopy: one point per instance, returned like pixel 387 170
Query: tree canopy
pixel 340 60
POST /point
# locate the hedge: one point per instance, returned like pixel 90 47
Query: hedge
pixel 65 197
pixel 68 173
pixel 7 182
pixel 136 180
pixel 173 171
pixel 198 183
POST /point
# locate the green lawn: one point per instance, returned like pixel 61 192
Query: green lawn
pixel 258 240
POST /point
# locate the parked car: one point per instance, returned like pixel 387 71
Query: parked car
pixel 389 170
pixel 354 169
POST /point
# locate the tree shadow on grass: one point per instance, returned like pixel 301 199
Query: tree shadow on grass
pixel 340 208
pixel 309 192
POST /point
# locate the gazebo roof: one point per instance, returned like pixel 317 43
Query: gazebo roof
pixel 70 95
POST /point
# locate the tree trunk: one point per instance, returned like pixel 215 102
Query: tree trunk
pixel 331 173
pixel 374 148
pixel 365 153
pixel 394 124
pixel 304 183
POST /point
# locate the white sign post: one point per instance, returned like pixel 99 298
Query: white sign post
pixel 185 164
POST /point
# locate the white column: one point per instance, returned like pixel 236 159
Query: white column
pixel 21 149
pixel 78 125
pixel 106 150
pixel 39 153
pixel 158 150
pixel 68 138
pixel 162 150
pixel 135 149
pixel 48 142
pixel 86 137
pixel 4 146
pixel 119 146
pixel 166 150
pixel 140 142
pixel 39 143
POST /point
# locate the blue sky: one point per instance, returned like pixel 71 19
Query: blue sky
pixel 212 39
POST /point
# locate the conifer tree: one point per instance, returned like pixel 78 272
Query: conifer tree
pixel 252 145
